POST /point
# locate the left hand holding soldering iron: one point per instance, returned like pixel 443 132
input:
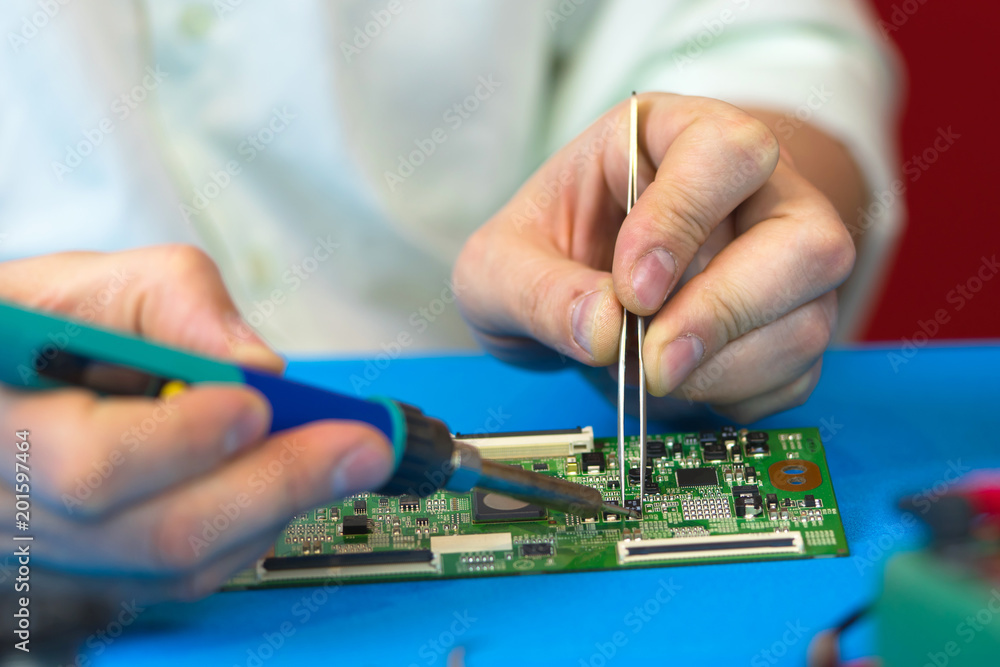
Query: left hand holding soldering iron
pixel 166 497
pixel 748 250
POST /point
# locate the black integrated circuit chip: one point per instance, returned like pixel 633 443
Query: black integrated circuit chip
pixel 493 507
pixel 360 507
pixel 356 525
pixel 409 504
pixel 697 477
pixel 538 467
pixel 655 449
pixel 539 549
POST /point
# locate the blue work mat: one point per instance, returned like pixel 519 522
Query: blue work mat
pixel 891 424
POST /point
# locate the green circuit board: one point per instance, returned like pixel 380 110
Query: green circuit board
pixel 719 496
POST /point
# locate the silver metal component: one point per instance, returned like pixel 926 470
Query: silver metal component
pixel 633 195
pixel 466 468
pixel 622 461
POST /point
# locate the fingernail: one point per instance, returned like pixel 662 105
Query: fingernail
pixel 250 426
pixel 247 347
pixel 362 469
pixel 651 278
pixel 584 313
pixel 678 359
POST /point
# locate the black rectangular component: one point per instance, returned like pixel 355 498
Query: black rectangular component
pixel 422 521
pixel 708 436
pixel 614 484
pixel 634 505
pixel 750 474
pixel 651 488
pixel 714 452
pixel 677 450
pixel 356 525
pixel 810 501
pixel 655 449
pixel 757 436
pixel 348 559
pixel 409 504
pixel 757 449
pixel 640 549
pixel 748 506
pixel 360 507
pixel 772 501
pixel 746 490
pixel 633 476
pixel 541 549
pixel 538 467
pixel 383 502
pixel 697 477
pixel 494 507
pixel 592 462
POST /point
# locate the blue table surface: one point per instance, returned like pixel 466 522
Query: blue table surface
pixel 892 425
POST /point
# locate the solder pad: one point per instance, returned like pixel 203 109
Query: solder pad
pixel 705 511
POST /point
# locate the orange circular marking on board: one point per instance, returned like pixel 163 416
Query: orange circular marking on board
pixel 795 475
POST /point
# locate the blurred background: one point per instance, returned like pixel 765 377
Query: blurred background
pixel 950 54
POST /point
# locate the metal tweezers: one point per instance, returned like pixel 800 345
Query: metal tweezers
pixel 640 328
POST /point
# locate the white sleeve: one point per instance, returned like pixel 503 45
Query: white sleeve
pixel 823 62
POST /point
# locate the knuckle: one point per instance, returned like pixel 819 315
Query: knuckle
pixel 184 260
pixel 536 301
pixel 751 140
pixel 731 310
pixel 832 252
pixel 685 218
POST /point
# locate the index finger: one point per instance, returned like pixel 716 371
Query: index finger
pixel 711 157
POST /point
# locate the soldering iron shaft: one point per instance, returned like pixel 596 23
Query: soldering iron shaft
pixel 472 471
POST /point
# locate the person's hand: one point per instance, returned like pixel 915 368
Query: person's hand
pixel 169 497
pixel 748 251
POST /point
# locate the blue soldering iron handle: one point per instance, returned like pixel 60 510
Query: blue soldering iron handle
pixel 422 445
pixel 43 351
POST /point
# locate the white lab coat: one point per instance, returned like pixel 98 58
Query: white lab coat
pixel 333 156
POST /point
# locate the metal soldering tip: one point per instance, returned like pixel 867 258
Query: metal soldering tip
pixel 619 510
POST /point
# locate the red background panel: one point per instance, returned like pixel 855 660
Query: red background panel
pixel 952 54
